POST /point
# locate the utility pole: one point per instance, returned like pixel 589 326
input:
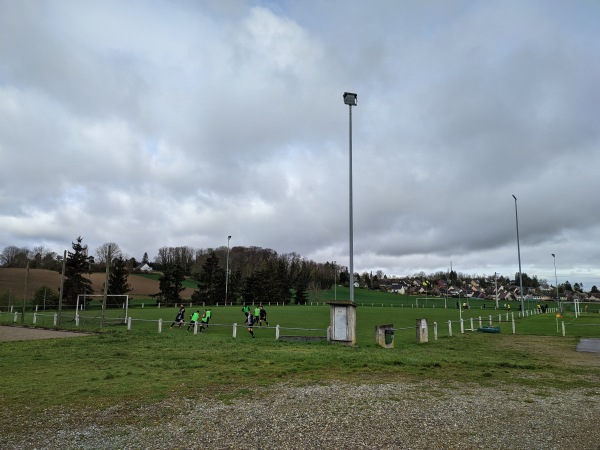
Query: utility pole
pixel 62 287
pixel 496 285
pixel 25 293
pixel 108 259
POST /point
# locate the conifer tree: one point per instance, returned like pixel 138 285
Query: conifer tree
pixel 117 281
pixel 75 283
pixel 211 283
pixel 171 284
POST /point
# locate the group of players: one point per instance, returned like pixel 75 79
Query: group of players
pixel 194 319
pixel 257 316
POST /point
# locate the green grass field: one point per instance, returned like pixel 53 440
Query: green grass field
pixel 116 365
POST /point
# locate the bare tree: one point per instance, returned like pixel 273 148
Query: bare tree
pixel 108 251
pixel 13 256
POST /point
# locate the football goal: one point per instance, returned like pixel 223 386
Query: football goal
pixel 117 305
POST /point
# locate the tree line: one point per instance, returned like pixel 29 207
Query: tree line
pixel 238 274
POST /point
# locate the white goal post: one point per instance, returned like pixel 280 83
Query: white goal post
pixel 101 296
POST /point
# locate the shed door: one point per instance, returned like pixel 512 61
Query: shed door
pixel 340 325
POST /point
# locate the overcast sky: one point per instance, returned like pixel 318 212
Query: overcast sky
pixel 178 123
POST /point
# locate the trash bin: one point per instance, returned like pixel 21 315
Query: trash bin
pixel 384 335
pixel 389 337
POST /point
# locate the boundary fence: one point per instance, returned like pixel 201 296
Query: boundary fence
pixel 503 320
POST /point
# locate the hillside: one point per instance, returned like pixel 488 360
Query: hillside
pixel 14 280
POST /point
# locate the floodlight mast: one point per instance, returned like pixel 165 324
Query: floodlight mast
pixel 556 279
pixel 519 255
pixel 351 99
pixel 227 271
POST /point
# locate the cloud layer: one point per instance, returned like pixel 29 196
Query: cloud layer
pixel 168 123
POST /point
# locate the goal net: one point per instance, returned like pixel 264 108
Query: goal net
pixel 89 307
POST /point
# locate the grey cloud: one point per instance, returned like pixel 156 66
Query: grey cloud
pixel 227 118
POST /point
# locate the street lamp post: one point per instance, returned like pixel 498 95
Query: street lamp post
pixel 555 278
pixel 496 287
pixel 335 280
pixel 227 271
pixel 519 255
pixel 351 100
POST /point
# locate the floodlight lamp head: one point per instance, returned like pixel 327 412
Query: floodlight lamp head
pixel 350 99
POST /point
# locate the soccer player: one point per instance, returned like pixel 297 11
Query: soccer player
pixel 180 317
pixel 250 319
pixel 246 311
pixel 193 319
pixel 208 316
pixel 263 316
pixel 256 314
pixel 204 321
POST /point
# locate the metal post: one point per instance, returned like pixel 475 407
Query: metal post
pixel 227 272
pixel 351 220
pixel 519 254
pixel 496 286
pixel 555 279
pixel 335 280
pixel 106 278
pixel 25 292
pixel 62 288
pixel 350 100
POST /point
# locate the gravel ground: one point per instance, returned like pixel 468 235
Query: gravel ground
pixel 335 416
pixel 17 333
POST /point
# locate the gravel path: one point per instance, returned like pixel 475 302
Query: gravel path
pixel 336 416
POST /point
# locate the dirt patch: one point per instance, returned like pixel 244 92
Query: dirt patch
pixel 28 334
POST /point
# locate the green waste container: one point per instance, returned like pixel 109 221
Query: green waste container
pixel 389 337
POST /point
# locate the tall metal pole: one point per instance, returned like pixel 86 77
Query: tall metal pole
pixel 62 287
pixel 227 271
pixel 25 292
pixel 496 286
pixel 555 278
pixel 519 254
pixel 106 278
pixel 335 280
pixel 350 99
pixel 351 220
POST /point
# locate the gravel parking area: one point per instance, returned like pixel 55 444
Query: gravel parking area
pixel 336 416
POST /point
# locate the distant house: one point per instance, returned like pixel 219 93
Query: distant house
pixel 144 267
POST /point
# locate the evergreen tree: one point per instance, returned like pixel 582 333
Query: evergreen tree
pixel 171 284
pixel 145 258
pixel 344 279
pixel 250 290
pixel 301 294
pixel 301 284
pixel 77 264
pixel 211 283
pixel 44 296
pixel 235 285
pixel 117 281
